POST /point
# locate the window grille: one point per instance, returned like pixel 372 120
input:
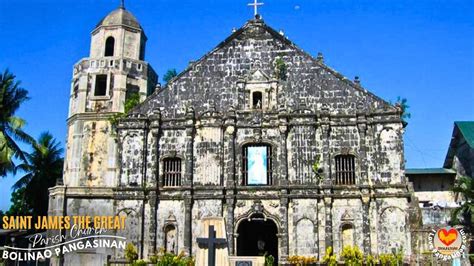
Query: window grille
pixel 345 170
pixel 172 172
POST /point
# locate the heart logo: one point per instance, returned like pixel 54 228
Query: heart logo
pixel 447 237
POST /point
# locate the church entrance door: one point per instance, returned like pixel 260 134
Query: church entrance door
pixel 257 237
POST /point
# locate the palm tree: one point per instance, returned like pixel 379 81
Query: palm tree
pixel 11 126
pixel 465 187
pixel 43 167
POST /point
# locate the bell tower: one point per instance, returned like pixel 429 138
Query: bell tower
pixel 101 84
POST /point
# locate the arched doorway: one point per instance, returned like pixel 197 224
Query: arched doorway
pixel 257 236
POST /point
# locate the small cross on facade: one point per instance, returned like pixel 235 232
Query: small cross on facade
pixel 211 242
pixel 255 5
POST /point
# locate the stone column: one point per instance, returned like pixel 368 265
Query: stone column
pixel 325 133
pixel 328 213
pixel 362 127
pixel 229 177
pixel 366 223
pixel 229 151
pixel 284 241
pixel 188 180
pixel 152 204
pixel 152 178
pixel 230 201
pixel 188 174
pixel 188 207
pixel 283 160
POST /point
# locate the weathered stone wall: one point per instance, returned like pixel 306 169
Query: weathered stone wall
pixel 303 227
pixel 208 156
pixel 90 154
pixel 304 150
pixel 393 225
pixel 132 157
pixel 133 210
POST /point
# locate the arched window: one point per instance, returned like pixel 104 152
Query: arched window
pixel 345 170
pixel 172 172
pixel 257 100
pixel 109 46
pixel 257 164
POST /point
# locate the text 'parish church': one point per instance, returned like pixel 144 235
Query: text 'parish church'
pixel 291 153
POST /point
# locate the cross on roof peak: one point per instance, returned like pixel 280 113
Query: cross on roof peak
pixel 122 4
pixel 255 5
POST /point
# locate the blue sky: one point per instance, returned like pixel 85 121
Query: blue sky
pixel 422 50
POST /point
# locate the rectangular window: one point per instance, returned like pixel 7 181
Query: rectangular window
pixel 172 172
pixel 257 165
pixel 345 170
pixel 100 85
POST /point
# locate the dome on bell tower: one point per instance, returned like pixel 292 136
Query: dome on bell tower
pixel 120 17
pixel 119 34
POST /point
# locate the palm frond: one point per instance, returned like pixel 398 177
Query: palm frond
pixel 23 181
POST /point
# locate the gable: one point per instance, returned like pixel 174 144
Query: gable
pixel 250 54
pixel 462 142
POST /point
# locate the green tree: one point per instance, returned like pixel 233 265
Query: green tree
pixel 280 69
pixel 11 126
pixel 130 102
pixel 19 204
pixel 464 214
pixel 42 168
pixel 169 75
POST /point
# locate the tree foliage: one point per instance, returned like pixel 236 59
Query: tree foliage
pixel 11 126
pixel 132 101
pixel 42 168
pixel 19 204
pixel 463 215
pixel 402 103
pixel 169 75
pixel 281 69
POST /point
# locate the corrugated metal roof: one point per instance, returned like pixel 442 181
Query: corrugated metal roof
pixel 467 130
pixel 428 171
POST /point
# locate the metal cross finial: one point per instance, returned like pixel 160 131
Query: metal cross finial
pixel 122 3
pixel 255 5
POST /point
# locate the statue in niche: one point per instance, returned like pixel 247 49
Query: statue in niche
pixel 170 239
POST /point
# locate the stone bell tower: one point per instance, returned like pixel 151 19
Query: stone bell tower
pixel 100 86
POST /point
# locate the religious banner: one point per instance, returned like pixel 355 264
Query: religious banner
pixel 257 165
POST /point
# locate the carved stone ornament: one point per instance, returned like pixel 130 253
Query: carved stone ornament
pixel 346 216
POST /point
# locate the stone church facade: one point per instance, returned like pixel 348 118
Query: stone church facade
pixel 290 152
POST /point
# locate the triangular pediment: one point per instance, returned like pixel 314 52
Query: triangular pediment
pixel 249 55
pixel 258 76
